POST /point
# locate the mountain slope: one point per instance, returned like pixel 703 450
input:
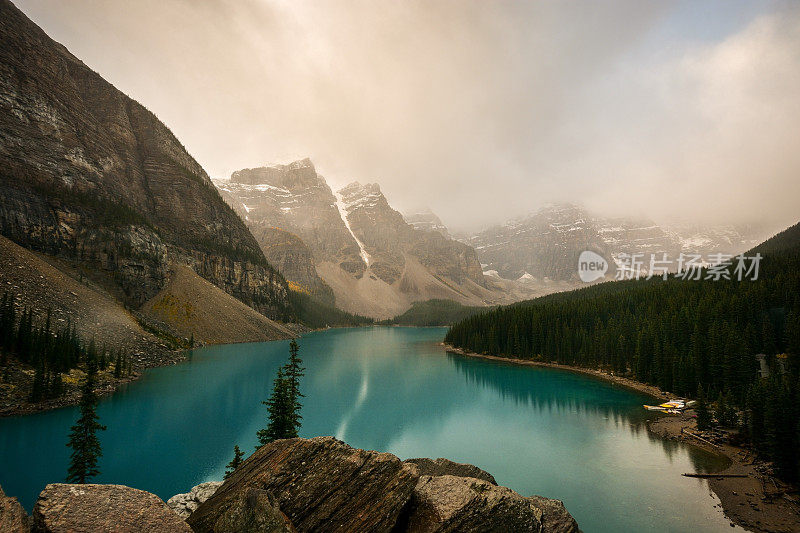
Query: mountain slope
pixel 373 260
pixel 786 240
pixel 434 313
pixel 426 220
pixel 192 307
pixel 290 255
pixel 38 284
pixel 89 175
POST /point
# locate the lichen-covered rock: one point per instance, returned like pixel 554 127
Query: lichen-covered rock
pixel 451 503
pixel 13 518
pixel 442 467
pixel 186 503
pixel 94 508
pixel 254 511
pixel 320 484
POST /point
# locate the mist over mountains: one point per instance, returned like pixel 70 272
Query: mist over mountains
pixel 546 244
pixel 361 250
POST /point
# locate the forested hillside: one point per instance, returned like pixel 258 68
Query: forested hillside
pixel 681 335
pixel 315 313
pixel 51 350
pixel 435 312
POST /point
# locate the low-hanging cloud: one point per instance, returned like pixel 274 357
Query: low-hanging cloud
pixel 480 110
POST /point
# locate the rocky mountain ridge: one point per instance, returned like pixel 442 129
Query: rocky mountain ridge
pixel 544 246
pixel 426 220
pixel 375 262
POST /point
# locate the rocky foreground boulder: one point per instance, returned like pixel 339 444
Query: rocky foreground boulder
pixel 253 511
pixel 13 518
pixel 451 503
pixel 87 508
pixel 322 484
pixel 300 485
pixel 555 516
pixel 443 467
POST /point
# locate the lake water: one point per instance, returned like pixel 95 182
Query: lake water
pixel 538 431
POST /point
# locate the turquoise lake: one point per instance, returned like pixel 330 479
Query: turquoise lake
pixel 539 431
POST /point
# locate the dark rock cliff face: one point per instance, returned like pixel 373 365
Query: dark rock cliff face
pixel 90 175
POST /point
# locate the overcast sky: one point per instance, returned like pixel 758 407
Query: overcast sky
pixel 481 110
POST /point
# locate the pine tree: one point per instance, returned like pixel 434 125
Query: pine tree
pixel 293 371
pixel 725 412
pixel 56 386
pixel 284 403
pixel 279 408
pixel 39 388
pixel 238 458
pixel 118 366
pixel 703 414
pixel 83 435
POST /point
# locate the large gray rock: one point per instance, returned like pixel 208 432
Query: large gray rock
pixel 65 508
pixel 442 467
pixel 321 484
pixel 186 503
pixel 13 518
pixel 451 503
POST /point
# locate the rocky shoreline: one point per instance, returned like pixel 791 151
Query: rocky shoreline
pixel 13 396
pixel 631 384
pixel 758 502
pixel 292 485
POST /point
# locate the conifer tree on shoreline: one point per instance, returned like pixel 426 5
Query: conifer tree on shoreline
pixel 293 371
pixel 83 440
pixel 703 414
pixel 283 404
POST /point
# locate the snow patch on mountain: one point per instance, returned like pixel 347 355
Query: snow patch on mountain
pixel 343 212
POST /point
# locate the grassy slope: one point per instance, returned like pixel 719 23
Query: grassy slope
pixel 192 307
